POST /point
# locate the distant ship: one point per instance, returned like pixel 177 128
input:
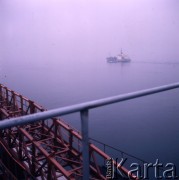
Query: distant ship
pixel 119 58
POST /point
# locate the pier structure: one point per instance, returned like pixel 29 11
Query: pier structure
pixel 37 144
pixel 45 149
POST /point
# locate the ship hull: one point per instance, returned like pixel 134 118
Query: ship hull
pixel 116 60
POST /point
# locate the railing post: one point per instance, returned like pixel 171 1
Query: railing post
pixel 32 107
pixel 85 143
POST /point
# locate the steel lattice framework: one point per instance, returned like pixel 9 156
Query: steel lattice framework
pixel 48 149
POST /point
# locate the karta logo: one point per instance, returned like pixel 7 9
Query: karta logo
pixel 138 171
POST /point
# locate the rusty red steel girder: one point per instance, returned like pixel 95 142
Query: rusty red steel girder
pixel 49 149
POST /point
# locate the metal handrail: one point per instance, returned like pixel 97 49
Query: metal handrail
pixel 83 109
pixel 83 106
pixel 118 150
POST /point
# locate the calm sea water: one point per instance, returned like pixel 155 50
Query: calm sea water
pixel 146 127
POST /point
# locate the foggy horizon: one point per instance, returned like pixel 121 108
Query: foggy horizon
pixel 47 32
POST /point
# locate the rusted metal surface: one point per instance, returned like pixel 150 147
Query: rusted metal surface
pixel 48 149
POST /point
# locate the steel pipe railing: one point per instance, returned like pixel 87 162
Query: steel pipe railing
pixel 83 106
pixel 83 109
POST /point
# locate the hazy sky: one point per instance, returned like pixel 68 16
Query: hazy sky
pixel 45 31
